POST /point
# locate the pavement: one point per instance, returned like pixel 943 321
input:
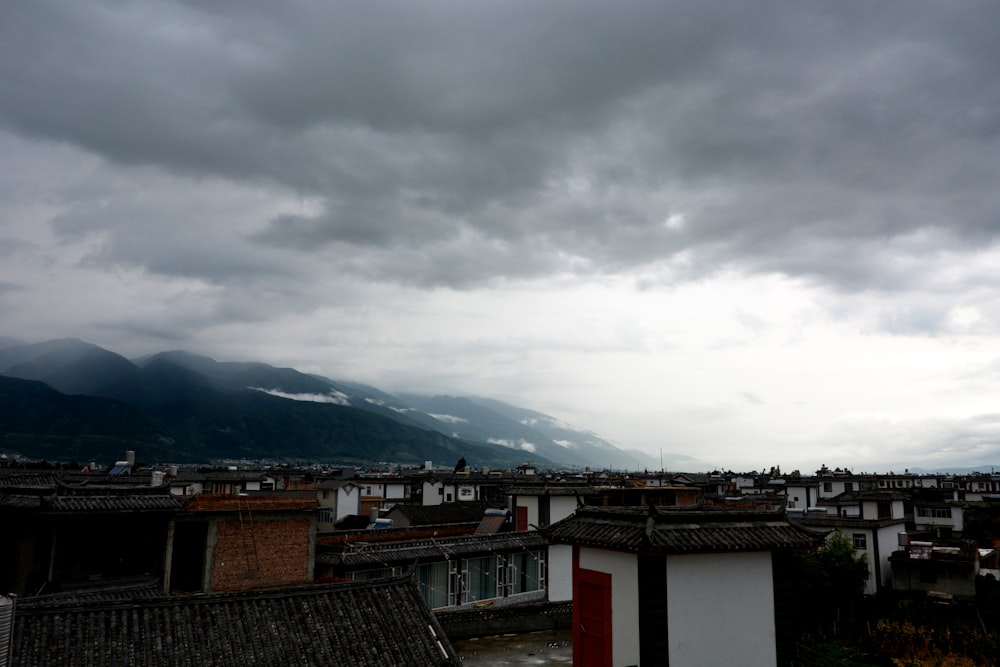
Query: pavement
pixel 547 647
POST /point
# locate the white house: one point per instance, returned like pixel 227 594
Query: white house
pixel 337 499
pixel 873 521
pixel 461 487
pixel 678 587
pixel 945 519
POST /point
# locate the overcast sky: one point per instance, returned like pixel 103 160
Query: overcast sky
pixel 760 233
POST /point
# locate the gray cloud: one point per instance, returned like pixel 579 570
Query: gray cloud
pixel 491 141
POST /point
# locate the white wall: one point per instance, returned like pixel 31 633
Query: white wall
pixel 720 609
pixel 531 502
pixel 560 572
pixel 624 601
pixel 888 542
pixel 869 551
pixel 801 492
pixel 850 511
pixel 561 507
pixel 430 493
pixel 395 491
pixel 348 501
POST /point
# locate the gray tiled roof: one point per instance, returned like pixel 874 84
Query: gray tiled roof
pixel 832 522
pixel 27 479
pixel 430 549
pixel 114 503
pixel 20 501
pixel 653 530
pixel 552 490
pixel 425 515
pixel 145 588
pixel 381 622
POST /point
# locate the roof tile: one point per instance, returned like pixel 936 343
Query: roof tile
pixel 681 531
pixel 381 622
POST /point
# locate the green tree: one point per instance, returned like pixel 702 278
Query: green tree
pixel 832 584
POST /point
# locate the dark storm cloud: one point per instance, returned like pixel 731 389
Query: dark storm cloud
pixel 454 144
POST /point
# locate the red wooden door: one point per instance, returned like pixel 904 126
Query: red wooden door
pixel 522 517
pixel 592 619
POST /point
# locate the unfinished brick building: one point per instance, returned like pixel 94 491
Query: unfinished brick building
pixel 232 543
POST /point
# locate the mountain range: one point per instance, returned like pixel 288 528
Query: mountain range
pixel 67 399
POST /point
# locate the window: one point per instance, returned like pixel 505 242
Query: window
pixel 848 486
pixel 525 572
pixel 479 579
pixel 860 541
pixel 436 584
pixel 828 487
pixel 380 573
pixel 934 512
pixel 325 515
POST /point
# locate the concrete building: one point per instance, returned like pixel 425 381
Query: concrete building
pixel 679 587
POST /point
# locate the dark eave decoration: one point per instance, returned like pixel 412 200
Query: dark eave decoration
pixel 655 530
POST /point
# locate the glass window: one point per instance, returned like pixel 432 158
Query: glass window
pixel 860 541
pixel 380 573
pixel 434 580
pixel 479 579
pixel 526 572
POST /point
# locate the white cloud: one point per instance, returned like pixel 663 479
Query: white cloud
pixel 334 397
pixel 519 443
pixel 451 419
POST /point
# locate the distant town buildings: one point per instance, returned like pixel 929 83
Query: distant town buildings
pixel 472 550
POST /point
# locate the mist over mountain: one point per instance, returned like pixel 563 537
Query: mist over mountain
pixel 68 399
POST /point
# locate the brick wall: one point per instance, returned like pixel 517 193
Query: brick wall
pixel 260 553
